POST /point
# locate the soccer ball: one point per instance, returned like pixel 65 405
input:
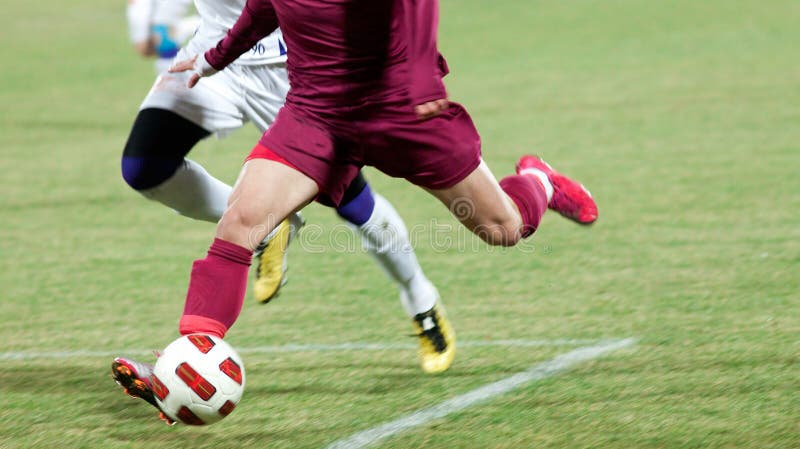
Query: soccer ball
pixel 198 379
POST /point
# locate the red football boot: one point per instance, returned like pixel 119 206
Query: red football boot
pixel 134 377
pixel 570 198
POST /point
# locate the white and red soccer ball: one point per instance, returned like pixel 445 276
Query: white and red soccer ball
pixel 198 379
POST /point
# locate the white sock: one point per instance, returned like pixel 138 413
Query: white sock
pixel 192 192
pixel 548 186
pixel 422 299
pixel 385 237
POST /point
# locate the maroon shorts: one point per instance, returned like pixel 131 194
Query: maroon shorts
pixel 435 153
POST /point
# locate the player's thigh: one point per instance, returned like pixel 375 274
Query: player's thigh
pixel 479 203
pixel 314 148
pixel 265 193
pixel 213 104
pixel 265 88
pixel 443 156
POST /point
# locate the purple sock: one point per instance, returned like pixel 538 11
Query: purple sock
pixel 359 209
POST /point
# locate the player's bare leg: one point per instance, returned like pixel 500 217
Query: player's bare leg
pixel 241 212
pixel 481 205
pixel 498 222
pixel 265 193
pixel 502 213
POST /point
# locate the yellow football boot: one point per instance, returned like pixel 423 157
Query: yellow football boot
pixel 271 255
pixel 437 340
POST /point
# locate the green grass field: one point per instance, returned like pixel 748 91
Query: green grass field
pixel 681 116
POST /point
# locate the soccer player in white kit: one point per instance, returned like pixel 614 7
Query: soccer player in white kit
pixel 158 28
pixel 173 118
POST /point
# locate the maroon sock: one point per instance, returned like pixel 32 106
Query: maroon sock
pixel 216 289
pixel 531 199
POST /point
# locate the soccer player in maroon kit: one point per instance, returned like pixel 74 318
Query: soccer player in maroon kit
pixel 366 89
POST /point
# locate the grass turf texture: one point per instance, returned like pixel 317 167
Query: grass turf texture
pixel 682 118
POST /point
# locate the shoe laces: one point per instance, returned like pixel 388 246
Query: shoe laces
pixel 429 323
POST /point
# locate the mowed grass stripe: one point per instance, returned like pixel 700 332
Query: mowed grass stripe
pixel 537 372
pixel 351 346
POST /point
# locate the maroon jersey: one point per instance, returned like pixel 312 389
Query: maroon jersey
pixel 344 55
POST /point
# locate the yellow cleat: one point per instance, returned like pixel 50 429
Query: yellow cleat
pixel 437 340
pixel 271 255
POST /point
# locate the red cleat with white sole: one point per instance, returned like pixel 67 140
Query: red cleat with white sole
pixel 570 198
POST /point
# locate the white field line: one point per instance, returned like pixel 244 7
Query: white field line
pixel 355 346
pixel 537 372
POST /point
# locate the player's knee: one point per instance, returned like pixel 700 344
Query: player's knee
pixel 142 173
pixel 499 233
pixel 241 224
pixel 157 144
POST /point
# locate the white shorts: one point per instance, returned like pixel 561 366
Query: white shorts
pixel 226 101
